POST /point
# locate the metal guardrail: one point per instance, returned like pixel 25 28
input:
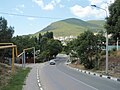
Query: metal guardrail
pixel 10 46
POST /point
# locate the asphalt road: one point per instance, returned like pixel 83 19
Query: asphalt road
pixel 60 77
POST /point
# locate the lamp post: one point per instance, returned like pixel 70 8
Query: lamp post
pixel 106 70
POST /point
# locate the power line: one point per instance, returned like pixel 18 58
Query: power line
pixel 27 15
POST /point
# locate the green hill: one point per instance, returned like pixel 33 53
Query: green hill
pixel 71 26
pixel 97 22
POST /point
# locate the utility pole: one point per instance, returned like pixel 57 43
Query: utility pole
pixel 106 69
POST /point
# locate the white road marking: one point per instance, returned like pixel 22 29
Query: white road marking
pixel 41 88
pixel 39 84
pixel 87 72
pixel 38 80
pixel 91 73
pixel 37 77
pixel 104 76
pixel 78 80
pixel 114 78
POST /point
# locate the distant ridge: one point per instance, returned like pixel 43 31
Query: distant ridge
pixel 72 26
pixel 79 22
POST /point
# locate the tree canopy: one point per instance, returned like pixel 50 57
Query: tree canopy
pixel 6 34
pixel 113 21
pixel 47 46
pixel 86 47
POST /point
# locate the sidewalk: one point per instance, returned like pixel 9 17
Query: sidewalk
pixel 31 80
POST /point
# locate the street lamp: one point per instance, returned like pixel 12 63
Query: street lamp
pixel 106 70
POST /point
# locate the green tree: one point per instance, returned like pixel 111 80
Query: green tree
pixel 39 38
pixel 113 21
pixel 101 40
pixel 54 47
pixel 48 35
pixel 85 47
pixel 43 56
pixel 6 34
pixel 43 43
pixel 23 42
pixel 49 47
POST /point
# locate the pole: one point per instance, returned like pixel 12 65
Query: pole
pixel 106 69
pixel 13 60
pixel 117 43
pixel 34 55
pixel 29 49
pixel 16 51
pixel 24 58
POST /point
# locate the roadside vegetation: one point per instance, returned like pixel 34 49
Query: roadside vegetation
pixel 88 50
pixel 9 81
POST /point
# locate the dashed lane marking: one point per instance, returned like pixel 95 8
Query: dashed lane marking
pixel 38 80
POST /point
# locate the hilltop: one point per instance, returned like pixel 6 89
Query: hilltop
pixel 72 26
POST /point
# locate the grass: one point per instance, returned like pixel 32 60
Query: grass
pixel 97 22
pixel 16 81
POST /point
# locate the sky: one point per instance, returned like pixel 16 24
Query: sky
pixel 37 14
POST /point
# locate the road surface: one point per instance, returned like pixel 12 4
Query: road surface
pixel 60 77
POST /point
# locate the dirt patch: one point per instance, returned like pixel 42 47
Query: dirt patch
pixel 114 66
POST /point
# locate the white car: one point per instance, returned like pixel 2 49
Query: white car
pixel 52 62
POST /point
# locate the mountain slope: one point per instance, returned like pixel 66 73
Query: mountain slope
pixel 71 26
pixel 97 22
pixel 79 22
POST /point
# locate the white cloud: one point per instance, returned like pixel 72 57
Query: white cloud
pixel 86 12
pixel 50 6
pixel 31 18
pixel 22 6
pixel 89 12
pixel 100 2
pixel 68 0
pixel 55 2
pixel 39 2
pixel 11 15
pixel 61 6
pixel 80 11
pixel 18 10
pixel 96 2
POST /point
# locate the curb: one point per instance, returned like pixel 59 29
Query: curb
pixel 95 74
pixel 38 80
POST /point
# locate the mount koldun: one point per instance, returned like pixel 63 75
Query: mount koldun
pixel 72 27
